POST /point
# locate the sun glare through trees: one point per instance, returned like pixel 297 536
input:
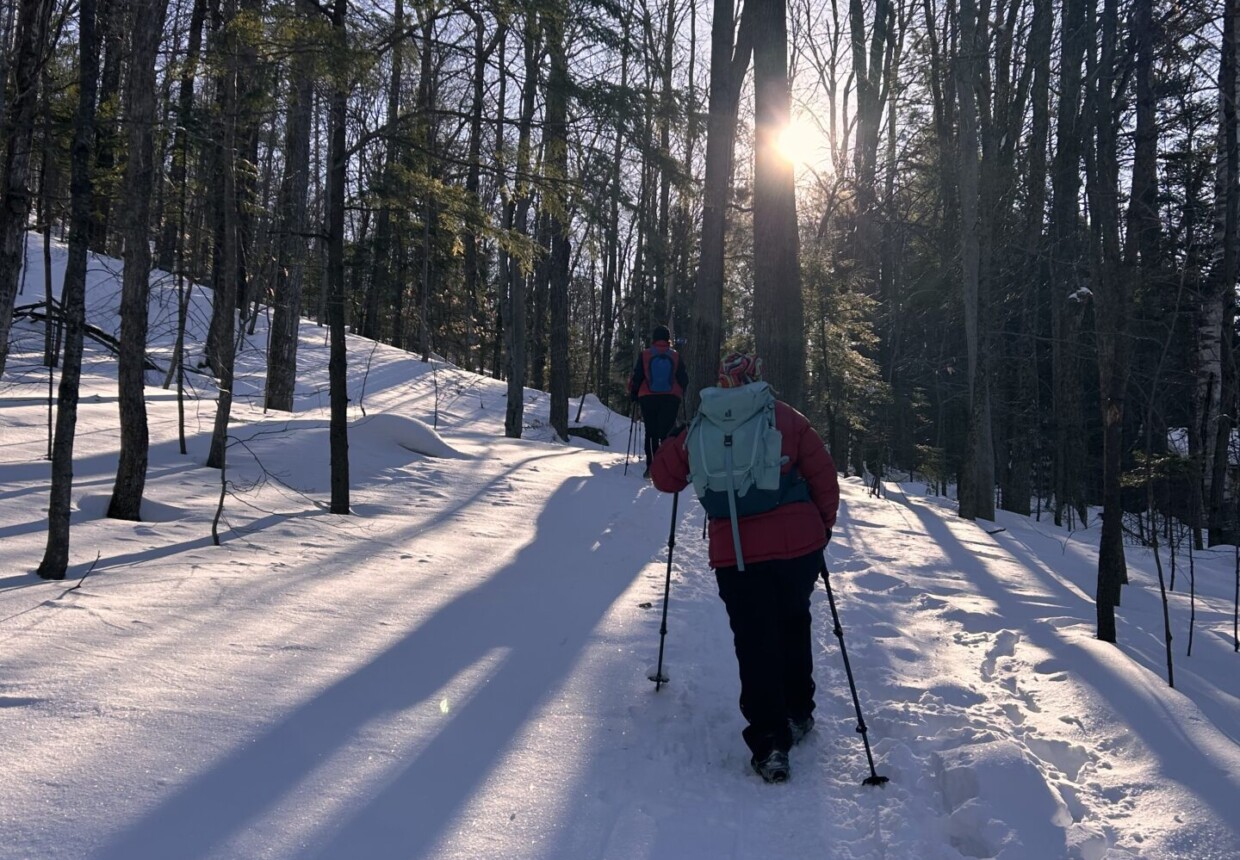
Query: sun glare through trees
pixel 803 144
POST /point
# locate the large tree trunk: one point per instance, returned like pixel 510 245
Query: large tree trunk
pixel 779 316
pixel 1067 306
pixel 222 206
pixel 556 137
pixel 727 71
pixel 1218 292
pixel 55 561
pixel 1111 302
pixel 337 165
pixel 517 219
pixel 977 496
pixel 32 21
pixel 222 352
pixel 1024 442
pixel 146 29
pixel 286 315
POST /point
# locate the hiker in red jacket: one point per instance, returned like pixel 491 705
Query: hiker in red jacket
pixel 767 593
pixel 658 383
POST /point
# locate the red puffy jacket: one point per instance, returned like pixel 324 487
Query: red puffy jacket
pixel 789 531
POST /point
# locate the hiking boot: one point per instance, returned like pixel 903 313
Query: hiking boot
pixel 800 728
pixel 772 768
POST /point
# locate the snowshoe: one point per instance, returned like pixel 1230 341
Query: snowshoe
pixel 773 767
pixel 800 728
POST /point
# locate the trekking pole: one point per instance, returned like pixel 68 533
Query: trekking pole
pixel 873 778
pixel 658 677
pixel 629 447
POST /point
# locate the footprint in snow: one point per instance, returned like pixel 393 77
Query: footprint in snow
pixel 1004 646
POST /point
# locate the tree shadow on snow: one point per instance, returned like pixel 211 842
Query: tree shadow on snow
pixel 1181 757
pixel 540 610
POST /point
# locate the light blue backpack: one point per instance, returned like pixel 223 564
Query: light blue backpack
pixel 735 455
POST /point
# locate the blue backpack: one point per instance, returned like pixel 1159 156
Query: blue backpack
pixel 662 376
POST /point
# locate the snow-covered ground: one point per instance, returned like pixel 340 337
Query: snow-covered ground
pixel 459 669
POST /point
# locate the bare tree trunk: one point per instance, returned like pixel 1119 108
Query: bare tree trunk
pixel 7 23
pixel 541 286
pixel 556 134
pixel 146 30
pixel 779 317
pixel 338 428
pixel 73 301
pixel 502 344
pixel 728 65
pixel 869 72
pixel 1025 444
pixel 32 23
pixel 1067 305
pixel 381 266
pixel 222 353
pixel 664 291
pixel 249 93
pixel 472 264
pixel 290 273
pixel 514 328
pixel 977 471
pixel 112 16
pixel 1214 333
pixel 426 104
pixel 172 236
pixel 610 299
pixel 1111 301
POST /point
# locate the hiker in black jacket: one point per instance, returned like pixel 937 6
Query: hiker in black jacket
pixel 658 383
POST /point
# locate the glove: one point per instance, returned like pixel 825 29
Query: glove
pixel 828 535
pixel 676 431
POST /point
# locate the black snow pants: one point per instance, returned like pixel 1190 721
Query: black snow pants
pixel 659 415
pixel 768 608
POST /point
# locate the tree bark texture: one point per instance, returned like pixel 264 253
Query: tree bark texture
pixel 1111 303
pixel 55 561
pixel 727 71
pixel 555 131
pixel 293 249
pixel 337 369
pixel 221 341
pixel 514 323
pixel 977 471
pixel 145 33
pixel 1067 306
pixel 1218 291
pixel 32 23
pixel 779 316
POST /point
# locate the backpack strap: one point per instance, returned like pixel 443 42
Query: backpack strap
pixel 736 528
